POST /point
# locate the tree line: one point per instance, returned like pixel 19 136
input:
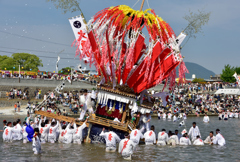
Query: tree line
pixel 28 62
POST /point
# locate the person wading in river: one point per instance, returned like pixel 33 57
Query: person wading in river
pixel 111 139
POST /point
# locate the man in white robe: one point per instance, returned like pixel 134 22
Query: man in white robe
pixel 7 134
pixel 184 140
pixel 198 141
pixel 210 138
pixel 36 144
pixel 44 128
pixel 150 136
pixel 17 132
pixel 85 101
pixel 77 137
pixel 52 135
pixel 111 139
pixel 194 131
pixel 206 119
pixel 219 140
pixel 162 138
pixel 70 130
pixel 126 147
pixel 173 139
pixel 146 120
pixel 136 135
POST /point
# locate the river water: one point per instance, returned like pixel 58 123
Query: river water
pixel 17 151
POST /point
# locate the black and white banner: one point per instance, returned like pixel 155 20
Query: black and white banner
pixel 78 26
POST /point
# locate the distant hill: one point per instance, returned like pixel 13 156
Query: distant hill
pixel 198 70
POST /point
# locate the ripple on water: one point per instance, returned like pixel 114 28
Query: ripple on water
pixel 96 152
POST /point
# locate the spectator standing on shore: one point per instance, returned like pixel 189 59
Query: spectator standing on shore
pixel 15 107
pixel 19 106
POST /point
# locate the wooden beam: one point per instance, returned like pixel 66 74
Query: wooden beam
pixel 142 5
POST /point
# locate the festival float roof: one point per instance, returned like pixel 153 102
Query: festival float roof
pixel 122 55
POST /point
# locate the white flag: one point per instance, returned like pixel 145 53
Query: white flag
pixel 79 26
pixel 180 38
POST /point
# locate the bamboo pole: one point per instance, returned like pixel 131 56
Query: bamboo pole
pixel 142 5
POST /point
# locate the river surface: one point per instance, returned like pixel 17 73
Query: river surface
pixel 17 151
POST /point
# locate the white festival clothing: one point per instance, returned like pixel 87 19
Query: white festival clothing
pixel 52 135
pixel 206 119
pixel 162 138
pixel 164 116
pixel 136 135
pixel 184 116
pixel 44 132
pixel 235 115
pixel 87 104
pixel 174 118
pixel 219 140
pixel 68 136
pixel 25 134
pixel 185 141
pixel 17 132
pixel 126 148
pixel 77 137
pixel 150 137
pixel 198 142
pixel 194 132
pixel 209 139
pixel 173 138
pixel 169 116
pixel 36 145
pixel 7 134
pixel 111 138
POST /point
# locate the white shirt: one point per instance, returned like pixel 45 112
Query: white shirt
pixel 174 137
pixel 52 135
pixel 136 135
pixel 209 139
pixel 162 137
pixel 17 132
pixel 164 116
pixel 198 142
pixel 150 137
pixel 194 132
pixel 77 137
pixel 206 119
pixel 169 115
pixel 185 141
pixel 184 116
pixel 174 118
pixel 111 138
pixel 219 140
pixel 36 145
pixel 44 131
pixel 68 136
pixel 7 134
pixel 126 147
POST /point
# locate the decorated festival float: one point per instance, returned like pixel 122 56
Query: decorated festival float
pixel 128 62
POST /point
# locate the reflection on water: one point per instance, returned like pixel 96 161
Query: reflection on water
pixel 96 152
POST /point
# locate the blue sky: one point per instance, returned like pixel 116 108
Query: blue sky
pixel 42 21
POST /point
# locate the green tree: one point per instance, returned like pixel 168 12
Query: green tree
pixel 7 62
pixel 65 71
pixel 28 61
pixel 198 80
pixel 237 70
pixel 227 74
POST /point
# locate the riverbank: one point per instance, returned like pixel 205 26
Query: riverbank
pixel 9 111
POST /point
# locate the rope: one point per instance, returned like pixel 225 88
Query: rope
pixel 148 4
pixel 135 4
